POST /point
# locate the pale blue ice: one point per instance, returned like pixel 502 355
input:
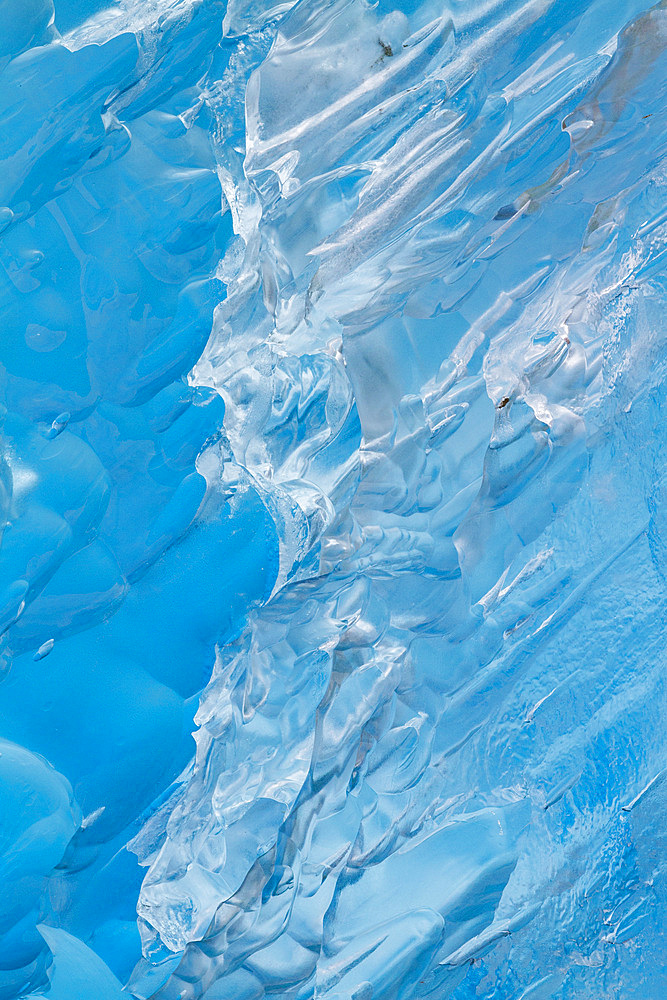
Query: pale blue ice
pixel 333 489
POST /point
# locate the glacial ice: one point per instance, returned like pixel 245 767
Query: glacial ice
pixel 332 488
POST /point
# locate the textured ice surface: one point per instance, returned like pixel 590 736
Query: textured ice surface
pixel 333 367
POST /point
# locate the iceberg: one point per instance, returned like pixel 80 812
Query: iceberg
pixel 333 543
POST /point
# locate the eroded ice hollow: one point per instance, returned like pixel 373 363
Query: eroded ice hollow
pixel 332 574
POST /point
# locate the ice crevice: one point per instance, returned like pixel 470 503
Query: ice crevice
pixel 333 387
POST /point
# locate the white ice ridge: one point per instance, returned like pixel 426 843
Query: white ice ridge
pixel 439 315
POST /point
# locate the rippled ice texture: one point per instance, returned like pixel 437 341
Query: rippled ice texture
pixel 334 384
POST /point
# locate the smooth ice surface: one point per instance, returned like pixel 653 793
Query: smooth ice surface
pixel 334 385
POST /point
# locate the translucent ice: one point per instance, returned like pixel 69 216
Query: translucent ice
pixel 332 499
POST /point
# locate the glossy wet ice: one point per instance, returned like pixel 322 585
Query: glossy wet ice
pixel 333 366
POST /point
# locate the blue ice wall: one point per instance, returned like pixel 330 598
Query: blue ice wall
pixel 333 492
